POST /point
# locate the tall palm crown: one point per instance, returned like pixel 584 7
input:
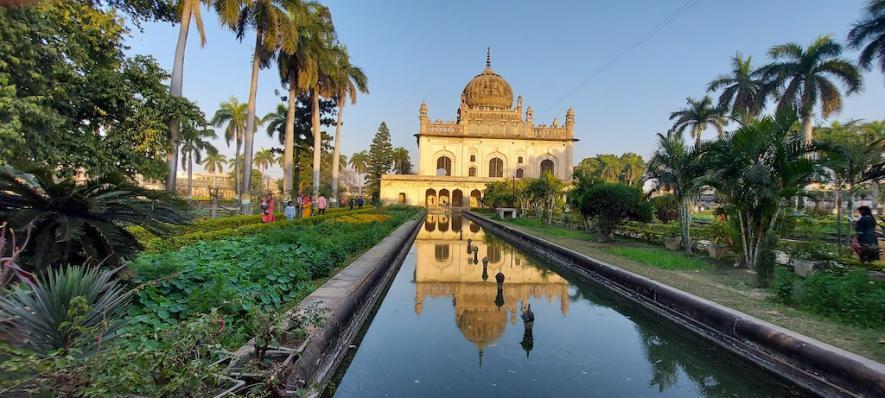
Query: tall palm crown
pixel 264 159
pixel 194 143
pixel 743 91
pixel 402 162
pixel 698 116
pixel 803 76
pixel 214 162
pixel 360 162
pixel 870 30
pixel 346 80
pixel 632 168
pixel 233 114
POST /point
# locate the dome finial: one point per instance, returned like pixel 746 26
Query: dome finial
pixel 488 57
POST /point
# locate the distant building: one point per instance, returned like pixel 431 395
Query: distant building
pixel 491 140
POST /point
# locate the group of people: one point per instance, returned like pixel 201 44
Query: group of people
pixel 301 207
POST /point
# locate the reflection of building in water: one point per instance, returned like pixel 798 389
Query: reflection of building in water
pixel 444 268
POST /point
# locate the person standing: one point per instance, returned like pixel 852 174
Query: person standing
pixel 267 207
pixel 299 203
pixel 866 242
pixel 350 202
pixel 359 202
pixel 306 205
pixel 321 204
pixel 289 211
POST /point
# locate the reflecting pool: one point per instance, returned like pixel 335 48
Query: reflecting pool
pixel 448 328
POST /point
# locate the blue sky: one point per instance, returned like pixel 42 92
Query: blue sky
pixel 582 54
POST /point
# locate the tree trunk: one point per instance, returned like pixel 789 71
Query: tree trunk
pixel 684 222
pixel 246 203
pixel 697 136
pixel 317 140
pixel 237 188
pixel 838 202
pixel 808 127
pixel 289 140
pixel 337 152
pixel 175 90
pixel 190 176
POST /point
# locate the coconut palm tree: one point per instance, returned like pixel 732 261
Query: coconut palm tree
pixel 190 9
pixel 402 162
pixel 233 113
pixel 312 23
pixel 193 143
pixel 677 168
pixel 698 116
pixel 322 87
pixel 632 168
pixel 870 30
pixel 264 159
pixel 347 80
pixel 360 163
pixel 214 163
pixel 743 91
pixel 802 79
pixel 273 32
pixel 609 167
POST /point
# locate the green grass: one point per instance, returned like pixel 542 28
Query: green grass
pixel 538 225
pixel 661 258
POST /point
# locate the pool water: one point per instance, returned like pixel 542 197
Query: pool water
pixel 446 329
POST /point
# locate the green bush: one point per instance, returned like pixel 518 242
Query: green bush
pixel 610 204
pixel 852 298
pixel 665 207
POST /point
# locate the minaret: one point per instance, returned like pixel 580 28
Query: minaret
pixel 423 118
pixel 570 121
pixel 529 119
pixel 488 58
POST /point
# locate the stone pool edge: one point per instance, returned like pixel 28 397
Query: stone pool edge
pixel 817 367
pixel 348 297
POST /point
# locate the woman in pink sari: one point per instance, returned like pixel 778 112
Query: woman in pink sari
pixel 267 205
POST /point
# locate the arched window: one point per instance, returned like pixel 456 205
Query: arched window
pixel 496 167
pixel 472 158
pixel 471 171
pixel 444 166
pixel 519 173
pixel 441 252
pixel 546 167
pixel 519 160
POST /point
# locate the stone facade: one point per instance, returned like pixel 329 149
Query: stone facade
pixel 491 140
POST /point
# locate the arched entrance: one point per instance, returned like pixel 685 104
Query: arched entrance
pixel 475 198
pixel 430 198
pixel 443 223
pixel 457 198
pixel 443 200
pixel 401 199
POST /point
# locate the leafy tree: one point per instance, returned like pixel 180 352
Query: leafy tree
pixel 346 80
pixel 802 79
pixel 193 144
pixel 609 204
pixel 359 161
pixel 743 90
pixel 214 163
pixel 870 30
pixel 543 192
pixel 402 162
pixel 68 91
pixel 500 194
pixel 679 170
pixel 232 114
pixel 380 159
pixel 666 207
pixel 757 169
pixel 74 223
pixel 698 116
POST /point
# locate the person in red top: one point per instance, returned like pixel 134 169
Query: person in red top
pixel 267 205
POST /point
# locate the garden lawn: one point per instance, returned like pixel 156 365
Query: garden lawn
pixel 239 274
pixel 718 282
pixel 662 258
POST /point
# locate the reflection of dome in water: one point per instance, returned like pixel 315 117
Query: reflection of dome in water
pixel 482 326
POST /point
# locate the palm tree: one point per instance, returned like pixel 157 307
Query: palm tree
pixel 214 163
pixel 870 30
pixel 264 158
pixel 323 86
pixel 346 82
pixel 743 91
pixel 698 116
pixel 312 23
pixel 193 144
pixel 633 167
pixel 402 162
pixel 233 113
pixel 80 223
pixel 609 167
pixel 758 169
pixel 360 163
pixel 678 169
pixel 273 32
pixel 803 76
pixel 189 9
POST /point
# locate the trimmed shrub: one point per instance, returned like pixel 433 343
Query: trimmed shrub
pixel 852 298
pixel 665 207
pixel 610 204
